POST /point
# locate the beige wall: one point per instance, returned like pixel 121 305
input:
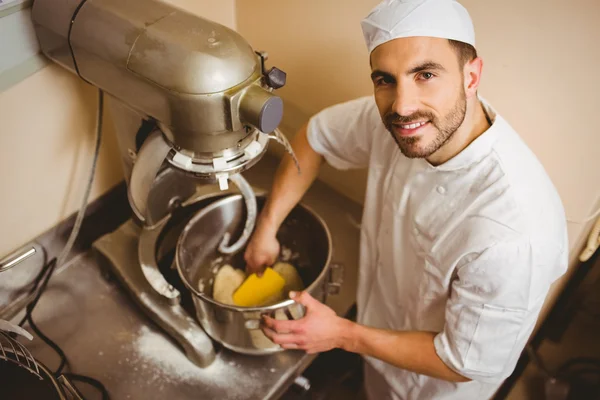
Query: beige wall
pixel 47 124
pixel 537 75
pixel 540 59
pixel 319 45
pixel 47 145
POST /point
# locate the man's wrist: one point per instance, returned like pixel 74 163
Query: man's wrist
pixel 267 224
pixel 348 335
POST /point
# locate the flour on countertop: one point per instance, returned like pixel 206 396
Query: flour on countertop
pixel 165 362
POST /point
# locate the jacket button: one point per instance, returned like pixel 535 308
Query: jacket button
pixel 441 189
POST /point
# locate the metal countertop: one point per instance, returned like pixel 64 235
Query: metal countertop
pixel 106 336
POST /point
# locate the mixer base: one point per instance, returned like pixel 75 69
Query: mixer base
pixel 121 249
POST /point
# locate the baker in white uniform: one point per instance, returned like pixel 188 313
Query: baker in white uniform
pixel 462 234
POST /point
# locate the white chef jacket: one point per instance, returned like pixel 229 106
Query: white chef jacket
pixel 468 248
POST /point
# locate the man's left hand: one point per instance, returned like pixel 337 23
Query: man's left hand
pixel 319 330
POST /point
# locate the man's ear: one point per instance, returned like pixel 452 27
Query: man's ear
pixel 472 76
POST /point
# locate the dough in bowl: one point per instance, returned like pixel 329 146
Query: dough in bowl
pixel 227 280
pixel 290 275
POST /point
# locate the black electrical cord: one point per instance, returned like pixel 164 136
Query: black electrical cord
pixel 46 273
pixel 38 279
pixel 48 269
pixel 44 278
pixel 90 381
pixel 49 342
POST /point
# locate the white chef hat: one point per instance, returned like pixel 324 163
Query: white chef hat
pixel 393 19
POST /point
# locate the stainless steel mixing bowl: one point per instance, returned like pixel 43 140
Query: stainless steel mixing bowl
pixel 304 238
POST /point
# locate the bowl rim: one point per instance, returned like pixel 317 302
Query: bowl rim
pixel 235 197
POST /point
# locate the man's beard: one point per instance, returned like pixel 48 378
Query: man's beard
pixel 446 127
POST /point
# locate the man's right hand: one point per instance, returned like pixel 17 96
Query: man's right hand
pixel 262 250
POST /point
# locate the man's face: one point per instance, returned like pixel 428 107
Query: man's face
pixel 419 90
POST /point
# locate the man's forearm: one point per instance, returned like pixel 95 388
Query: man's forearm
pixel 413 351
pixel 289 186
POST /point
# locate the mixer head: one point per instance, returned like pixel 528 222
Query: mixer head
pixel 205 93
pixel 201 83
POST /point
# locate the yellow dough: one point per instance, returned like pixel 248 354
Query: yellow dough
pixel 227 280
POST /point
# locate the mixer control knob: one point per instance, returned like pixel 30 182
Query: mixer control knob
pixel 275 78
pixel 261 109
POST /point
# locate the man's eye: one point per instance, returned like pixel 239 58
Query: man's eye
pixel 427 75
pixel 383 81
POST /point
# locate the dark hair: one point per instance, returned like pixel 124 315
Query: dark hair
pixel 464 51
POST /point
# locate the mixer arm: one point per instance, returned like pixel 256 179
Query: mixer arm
pixel 149 160
pixel 251 211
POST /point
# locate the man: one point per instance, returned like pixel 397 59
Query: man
pixel 462 234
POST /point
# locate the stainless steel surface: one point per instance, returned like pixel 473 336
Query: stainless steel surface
pixel 151 236
pixel 127 122
pixel 170 185
pixel 201 81
pixel 16 257
pixel 303 233
pixel 147 241
pixel 170 189
pixel 165 312
pixel 155 243
pixel 148 163
pixel 336 279
pixel 106 336
pixel 251 214
pixel 15 282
